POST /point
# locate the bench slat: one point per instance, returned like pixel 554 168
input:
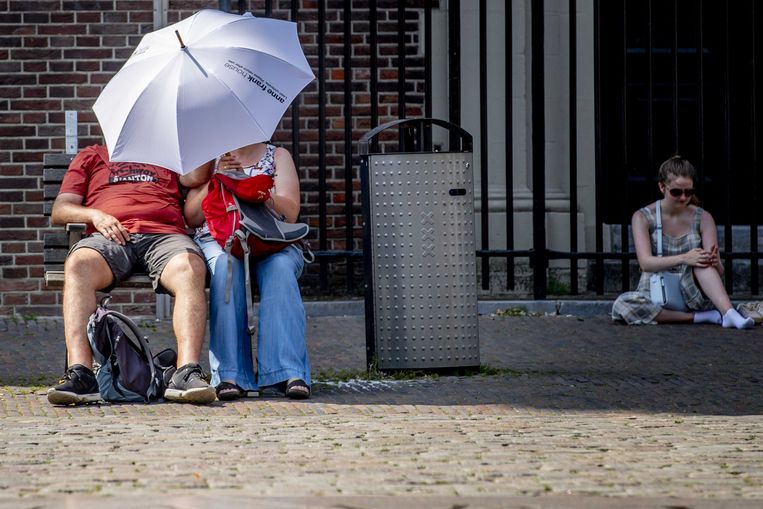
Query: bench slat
pixel 53 175
pixel 57 159
pixel 58 240
pixel 55 278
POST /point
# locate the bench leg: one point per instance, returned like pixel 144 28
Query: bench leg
pixel 162 306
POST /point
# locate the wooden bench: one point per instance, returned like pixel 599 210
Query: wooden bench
pixel 56 245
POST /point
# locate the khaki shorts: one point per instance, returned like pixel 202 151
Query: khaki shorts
pixel 146 252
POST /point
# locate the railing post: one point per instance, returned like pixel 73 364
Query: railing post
pixel 540 256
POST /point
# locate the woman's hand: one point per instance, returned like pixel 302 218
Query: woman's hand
pixel 230 162
pixel 698 257
pixel 715 256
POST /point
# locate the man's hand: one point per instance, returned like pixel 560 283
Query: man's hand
pixel 110 227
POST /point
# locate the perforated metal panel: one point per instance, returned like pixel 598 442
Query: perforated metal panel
pixel 421 211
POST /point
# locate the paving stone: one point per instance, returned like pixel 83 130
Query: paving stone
pixel 579 413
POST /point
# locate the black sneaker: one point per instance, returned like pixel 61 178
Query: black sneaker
pixel 187 386
pixel 77 386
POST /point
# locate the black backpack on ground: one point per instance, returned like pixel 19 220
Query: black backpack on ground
pixel 127 370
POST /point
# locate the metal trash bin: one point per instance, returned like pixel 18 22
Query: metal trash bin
pixel 419 249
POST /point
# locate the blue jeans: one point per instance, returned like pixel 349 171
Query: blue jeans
pixel 281 348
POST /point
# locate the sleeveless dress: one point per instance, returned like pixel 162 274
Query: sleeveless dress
pixel 636 308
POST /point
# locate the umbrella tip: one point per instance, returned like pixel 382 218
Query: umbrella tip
pixel 182 45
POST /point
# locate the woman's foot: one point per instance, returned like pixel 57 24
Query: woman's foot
pixel 296 388
pixel 228 391
pixel 732 319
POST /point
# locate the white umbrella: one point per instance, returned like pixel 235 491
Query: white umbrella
pixel 203 86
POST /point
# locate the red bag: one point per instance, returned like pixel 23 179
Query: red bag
pixel 244 226
pixel 222 212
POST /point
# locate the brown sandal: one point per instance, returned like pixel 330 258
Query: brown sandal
pixel 227 391
pixel 296 388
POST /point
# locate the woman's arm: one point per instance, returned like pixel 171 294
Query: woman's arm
pixel 194 216
pixel 197 177
pixel 709 235
pixel 284 199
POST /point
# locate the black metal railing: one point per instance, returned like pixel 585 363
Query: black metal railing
pixel 668 77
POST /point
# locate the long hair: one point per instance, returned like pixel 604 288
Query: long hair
pixel 675 167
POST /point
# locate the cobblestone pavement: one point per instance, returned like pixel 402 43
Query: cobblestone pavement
pixel 568 413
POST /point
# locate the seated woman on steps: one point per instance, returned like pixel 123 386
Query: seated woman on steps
pixel 690 247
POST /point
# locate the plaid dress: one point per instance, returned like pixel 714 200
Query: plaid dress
pixel 636 308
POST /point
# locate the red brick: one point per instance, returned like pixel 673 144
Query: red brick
pixel 35 54
pixel 85 91
pixel 116 16
pixel 10 67
pixel 88 17
pixel 17 130
pixel 74 29
pixel 10 299
pixel 59 79
pixel 32 66
pixel 13 18
pixel 35 92
pixel 112 28
pixel 17 79
pixel 37 222
pixel 62 17
pixel 61 91
pixel 43 298
pixel 84 66
pixel 37 144
pixel 88 41
pixel 30 42
pixel 62 42
pixel 88 53
pixel 10 118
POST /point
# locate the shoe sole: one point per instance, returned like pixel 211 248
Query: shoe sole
pixel 71 398
pixel 201 395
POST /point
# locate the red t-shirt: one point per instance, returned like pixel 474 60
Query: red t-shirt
pixel 143 197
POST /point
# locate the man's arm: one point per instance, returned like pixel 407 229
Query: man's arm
pixel 68 208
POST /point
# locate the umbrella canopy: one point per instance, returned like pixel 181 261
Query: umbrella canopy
pixel 206 85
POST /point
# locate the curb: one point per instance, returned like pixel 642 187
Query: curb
pixel 583 308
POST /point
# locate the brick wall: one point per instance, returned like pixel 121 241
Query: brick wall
pixel 56 55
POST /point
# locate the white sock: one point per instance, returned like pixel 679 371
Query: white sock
pixel 712 316
pixel 732 318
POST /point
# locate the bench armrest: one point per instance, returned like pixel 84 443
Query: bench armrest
pixel 75 231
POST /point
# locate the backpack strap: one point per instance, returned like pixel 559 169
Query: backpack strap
pixel 658 227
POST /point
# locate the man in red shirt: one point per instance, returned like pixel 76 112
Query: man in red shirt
pixel 134 218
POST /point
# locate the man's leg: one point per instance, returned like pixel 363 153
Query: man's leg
pixel 184 277
pixel 85 271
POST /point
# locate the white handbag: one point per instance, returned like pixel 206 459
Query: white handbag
pixel 665 287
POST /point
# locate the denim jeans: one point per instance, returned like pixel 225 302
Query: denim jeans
pixel 281 348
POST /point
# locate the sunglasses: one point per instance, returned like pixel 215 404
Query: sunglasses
pixel 676 192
